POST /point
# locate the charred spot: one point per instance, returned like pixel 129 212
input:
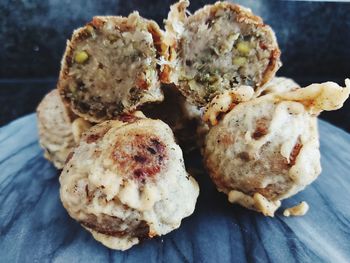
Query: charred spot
pixel 140 174
pixel 119 107
pixel 259 132
pixel 83 35
pixel 125 117
pixel 140 156
pixel 261 129
pixel 188 62
pixel 69 157
pixel 158 145
pixel 69 60
pixel 151 150
pixel 295 152
pixel 263 93
pixel 93 138
pixel 100 113
pixel 80 85
pixel 244 156
pixel 262 45
pixel 83 106
pixel 87 192
pixel 210 22
pixel 141 83
pixel 220 116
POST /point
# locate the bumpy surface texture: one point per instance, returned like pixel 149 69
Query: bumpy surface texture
pixel 126 181
pixel 218 48
pixel 267 149
pixel 112 66
pixel 59 128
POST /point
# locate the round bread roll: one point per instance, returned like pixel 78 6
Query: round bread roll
pixel 126 181
pixel 59 129
pixel 111 66
pixel 218 48
pixel 267 149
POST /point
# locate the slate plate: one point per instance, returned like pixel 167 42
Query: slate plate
pixel 34 227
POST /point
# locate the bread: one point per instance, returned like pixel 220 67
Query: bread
pixel 112 66
pixel 126 181
pixel 59 129
pixel 267 149
pixel 218 48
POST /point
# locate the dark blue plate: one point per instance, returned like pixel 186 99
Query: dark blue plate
pixel 34 227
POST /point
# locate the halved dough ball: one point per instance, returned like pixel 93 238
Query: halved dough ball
pixel 218 48
pixel 112 66
pixel 267 149
pixel 59 129
pixel 126 181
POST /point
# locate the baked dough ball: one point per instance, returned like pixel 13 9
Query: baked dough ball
pixel 111 66
pixel 183 118
pixel 59 129
pixel 126 181
pixel 267 149
pixel 218 48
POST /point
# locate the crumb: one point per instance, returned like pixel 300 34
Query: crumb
pixel 298 210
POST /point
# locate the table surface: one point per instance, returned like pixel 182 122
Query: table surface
pixel 34 227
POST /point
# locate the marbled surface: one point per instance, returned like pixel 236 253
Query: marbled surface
pixel 34 227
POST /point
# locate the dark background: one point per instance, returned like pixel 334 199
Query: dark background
pixel 314 38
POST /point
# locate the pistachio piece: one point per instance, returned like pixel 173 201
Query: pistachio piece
pixel 90 29
pixel 243 47
pixel 112 38
pixel 72 87
pixel 81 57
pixel 193 85
pixel 239 61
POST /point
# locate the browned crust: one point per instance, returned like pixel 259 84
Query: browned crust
pixel 242 15
pixel 122 24
pixel 271 192
pixel 141 157
pixel 272 67
pixel 110 226
pixel 278 163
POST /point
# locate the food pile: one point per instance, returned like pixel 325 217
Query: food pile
pixel 131 98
